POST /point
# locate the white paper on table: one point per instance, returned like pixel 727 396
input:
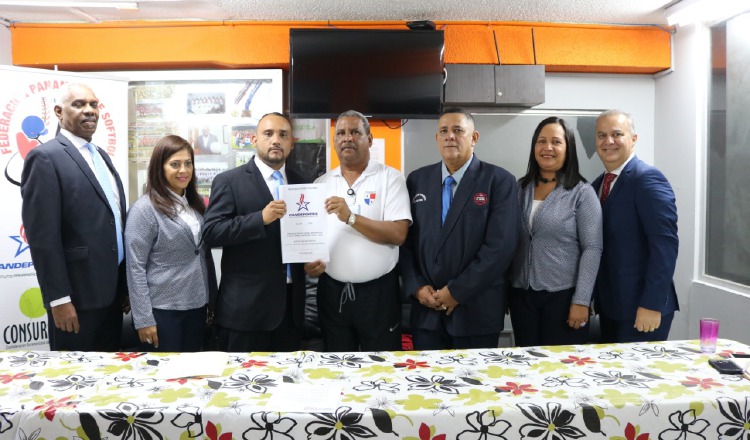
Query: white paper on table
pixel 377 150
pixel 303 228
pixel 201 364
pixel 304 398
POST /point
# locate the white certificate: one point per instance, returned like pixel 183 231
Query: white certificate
pixel 303 228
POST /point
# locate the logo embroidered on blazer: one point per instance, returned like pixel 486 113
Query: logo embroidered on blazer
pixel 370 198
pixel 481 199
pixel 419 198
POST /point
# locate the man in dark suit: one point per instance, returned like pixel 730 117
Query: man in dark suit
pixel 634 294
pixel 260 306
pixel 204 141
pixel 454 270
pixel 73 211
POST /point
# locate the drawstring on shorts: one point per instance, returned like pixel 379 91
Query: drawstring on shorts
pixel 347 293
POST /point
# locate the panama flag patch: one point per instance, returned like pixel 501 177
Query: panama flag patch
pixel 370 198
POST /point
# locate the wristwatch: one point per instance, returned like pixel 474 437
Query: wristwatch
pixel 352 219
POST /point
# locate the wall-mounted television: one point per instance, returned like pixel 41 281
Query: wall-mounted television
pixel 387 74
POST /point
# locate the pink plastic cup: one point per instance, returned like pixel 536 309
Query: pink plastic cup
pixel 709 333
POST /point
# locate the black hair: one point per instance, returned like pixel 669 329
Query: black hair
pixel 568 175
pixel 459 110
pixel 157 187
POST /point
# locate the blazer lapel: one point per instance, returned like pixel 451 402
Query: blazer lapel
pixel 256 180
pixel 433 197
pixel 184 226
pixel 463 193
pixel 120 189
pixel 85 168
pixel 622 180
pixel 528 195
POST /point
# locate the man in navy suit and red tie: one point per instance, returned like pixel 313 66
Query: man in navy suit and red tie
pixel 634 294
pixel 74 211
pixel 464 236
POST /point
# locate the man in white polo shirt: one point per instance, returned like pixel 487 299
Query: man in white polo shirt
pixel 359 304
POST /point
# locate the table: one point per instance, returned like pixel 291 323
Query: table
pixel 657 390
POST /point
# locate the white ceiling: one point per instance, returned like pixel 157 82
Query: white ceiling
pixel 631 12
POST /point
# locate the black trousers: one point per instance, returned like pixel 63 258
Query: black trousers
pixel 360 316
pixel 179 331
pixel 285 337
pixel 100 330
pixel 540 318
pixel 440 340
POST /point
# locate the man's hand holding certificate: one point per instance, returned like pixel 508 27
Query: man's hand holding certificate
pixel 303 228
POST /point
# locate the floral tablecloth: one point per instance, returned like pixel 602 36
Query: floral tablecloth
pixel 658 390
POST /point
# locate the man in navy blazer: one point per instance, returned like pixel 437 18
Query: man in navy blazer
pixel 259 308
pixel 71 229
pixel 634 294
pixel 454 272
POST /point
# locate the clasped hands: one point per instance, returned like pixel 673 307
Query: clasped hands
pixel 440 300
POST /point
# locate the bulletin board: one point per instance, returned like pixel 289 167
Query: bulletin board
pixel 217 112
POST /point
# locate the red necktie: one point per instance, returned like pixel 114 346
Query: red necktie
pixel 608 178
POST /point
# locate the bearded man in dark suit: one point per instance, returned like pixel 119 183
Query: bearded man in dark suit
pixel 260 306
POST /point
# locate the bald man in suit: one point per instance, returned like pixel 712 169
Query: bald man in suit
pixel 74 223
pixel 634 293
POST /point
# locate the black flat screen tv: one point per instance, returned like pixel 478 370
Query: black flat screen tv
pixel 386 74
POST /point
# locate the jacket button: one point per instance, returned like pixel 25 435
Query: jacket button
pixel 114 248
pixel 112 222
pixel 197 252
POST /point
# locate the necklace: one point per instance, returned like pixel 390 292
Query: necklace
pixel 544 180
pixel 351 193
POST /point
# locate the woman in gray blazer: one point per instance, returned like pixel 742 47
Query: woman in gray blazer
pixel 170 272
pixel 558 255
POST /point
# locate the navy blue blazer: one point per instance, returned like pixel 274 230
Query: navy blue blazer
pixel 70 226
pixel 471 252
pixel 252 292
pixel 640 244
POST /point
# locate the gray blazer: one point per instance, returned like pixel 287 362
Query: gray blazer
pixel 165 268
pixel 563 247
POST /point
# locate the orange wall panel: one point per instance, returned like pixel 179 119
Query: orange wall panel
pixel 619 50
pixel 157 45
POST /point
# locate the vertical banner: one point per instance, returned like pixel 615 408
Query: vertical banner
pixel 27 119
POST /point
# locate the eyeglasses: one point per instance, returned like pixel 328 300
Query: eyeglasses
pixel 176 165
